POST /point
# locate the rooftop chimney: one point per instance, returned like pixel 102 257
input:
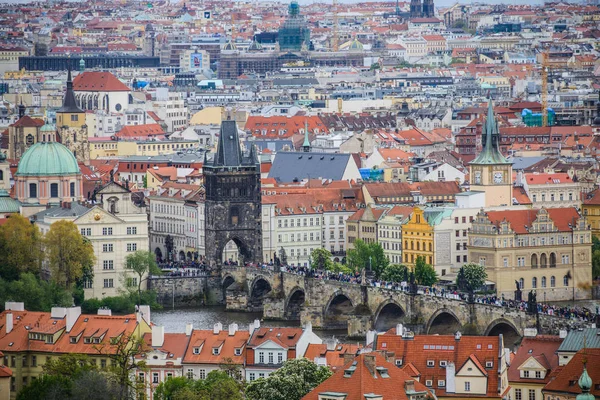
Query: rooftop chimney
pixel 158 336
pixel 58 312
pixel 9 323
pixel 72 314
pixel 188 329
pixel 409 386
pixel 105 312
pixel 233 328
pixel 450 373
pixel 308 327
pixel 399 330
pixel 348 357
pixel 143 313
pixel 369 360
pixel 562 333
pixel 457 335
pixel 218 327
pixel 14 306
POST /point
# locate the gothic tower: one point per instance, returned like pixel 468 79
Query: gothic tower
pixel 490 172
pixel 415 9
pixel 428 9
pixel 70 123
pixel 233 199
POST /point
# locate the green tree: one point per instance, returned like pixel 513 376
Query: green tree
pixel 358 257
pixel 20 249
pixel 595 243
pixel 167 389
pixel 292 381
pixel 596 264
pixel 378 260
pixel 395 273
pixel 69 365
pixel 424 273
pixel 218 385
pixel 69 254
pixel 321 259
pixel 143 264
pixel 471 277
pixel 48 388
pixel 37 294
pixel 339 267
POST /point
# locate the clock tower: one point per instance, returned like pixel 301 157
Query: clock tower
pixel 490 171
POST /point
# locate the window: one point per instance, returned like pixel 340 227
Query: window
pixel 534 282
pixel 54 190
pixel 482 261
pixel 538 374
pixel 261 357
pixel 72 189
pixel 252 376
pixel 86 231
pixel 518 394
pixel 107 248
pixel 24 361
pixel 552 281
pixel 32 190
pixel 202 374
pixel 531 394
pixel 131 246
pixel 443 363
pixel 34 361
pixel 505 261
pixel 430 363
pixel 108 283
pixel 270 358
pixel 467 386
pixel 196 350
pixel 489 364
pixel 279 358
pixel 429 383
pixel 441 383
pixel 103 363
pixel 543 281
pixel 155 377
pixel 190 373
pixel 107 231
pixel 108 264
pixel 132 230
pixel 525 374
pixel 521 261
pixel 566 280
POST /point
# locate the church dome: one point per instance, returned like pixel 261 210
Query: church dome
pixel 48 128
pixel 356 46
pixel 230 46
pixel 48 159
pixel 8 205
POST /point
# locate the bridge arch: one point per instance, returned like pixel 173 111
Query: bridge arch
pixel 443 322
pixel 259 289
pixel 510 333
pixel 388 315
pixel 338 310
pixel 294 302
pixel 227 281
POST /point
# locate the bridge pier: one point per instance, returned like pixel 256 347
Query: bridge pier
pixel 359 325
pixel 274 309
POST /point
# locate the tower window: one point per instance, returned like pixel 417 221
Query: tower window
pixel 32 190
pixel 234 213
pixel 74 117
pixel 29 140
pixel 72 189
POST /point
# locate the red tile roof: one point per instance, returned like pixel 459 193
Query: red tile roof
pixel 288 125
pixel 542 178
pixel 423 348
pixel 28 122
pixel 371 374
pixel 565 381
pixel 521 220
pixel 335 356
pixel 140 131
pixel 93 81
pixel 284 337
pixel 543 349
pixel 206 340
pixel 5 372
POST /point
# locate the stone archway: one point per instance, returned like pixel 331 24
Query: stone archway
pixel 443 322
pixel 227 281
pixel 507 329
pixel 259 290
pixel 158 253
pixel 338 310
pixel 294 303
pixel 239 255
pixel 388 315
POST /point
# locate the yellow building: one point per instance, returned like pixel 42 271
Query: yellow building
pixel 490 172
pixel 591 211
pixel 70 122
pixel 417 236
pixel 363 225
pixel 30 339
pixel 106 147
pixel 544 251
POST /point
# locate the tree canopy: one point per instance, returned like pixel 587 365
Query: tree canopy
pixel 369 256
pixel 218 385
pixel 142 263
pixel 425 274
pixel 395 273
pixel 471 277
pixel 20 249
pixel 36 293
pixel 321 259
pixel 69 253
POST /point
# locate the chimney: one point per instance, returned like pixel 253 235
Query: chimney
pixel 369 360
pixel 14 306
pixel 233 328
pixel 330 343
pixel 370 337
pixel 348 357
pixel 188 329
pixel 409 386
pixel 9 323
pixel 72 314
pixel 105 312
pixel 308 327
pixel 450 383
pixel 399 330
pixel 143 313
pixel 158 336
pixel 457 335
pixel 562 333
pixel 218 327
pixel 251 328
pixel 58 312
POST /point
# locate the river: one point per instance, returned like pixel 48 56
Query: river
pixel 206 317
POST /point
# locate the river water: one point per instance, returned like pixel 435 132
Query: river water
pixel 206 317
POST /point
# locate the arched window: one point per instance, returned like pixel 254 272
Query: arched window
pixel 406 244
pixel 54 190
pixel 552 281
pixel 543 281
pixel 1 175
pixel 543 261
pixel 534 282
pixel 412 245
pixel 522 283
pixel 552 260
pixel 534 261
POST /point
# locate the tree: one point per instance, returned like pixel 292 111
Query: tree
pixel 69 365
pixel 19 247
pixel 471 277
pixel 358 257
pixel 142 263
pixel 48 388
pixel 425 274
pixel 218 385
pixel 378 260
pixel 36 293
pixel 167 389
pixel 321 259
pixel 292 381
pixel 395 273
pixel 68 253
pixel 596 264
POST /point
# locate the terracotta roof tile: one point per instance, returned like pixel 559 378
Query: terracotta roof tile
pixel 204 341
pixel 94 81
pixel 520 219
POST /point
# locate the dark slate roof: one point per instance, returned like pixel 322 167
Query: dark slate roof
pixel 229 150
pixel 525 162
pixel 69 102
pixel 76 210
pixel 290 166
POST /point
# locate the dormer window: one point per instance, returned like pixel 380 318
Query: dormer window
pixel 73 339
pixel 215 351
pixel 196 350
pixel 443 364
pixel 399 362
pixel 87 340
pixel 429 383
pixel 430 363
pixel 238 352
pixel 489 364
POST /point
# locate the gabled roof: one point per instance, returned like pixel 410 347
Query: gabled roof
pixel 28 122
pixel 94 81
pixel 206 340
pixel 334 357
pixel 542 348
pixel 284 337
pixel 521 220
pixel 566 380
pixel 290 166
pixel 140 131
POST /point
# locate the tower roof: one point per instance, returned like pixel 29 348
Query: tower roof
pixel 596 121
pixel 69 102
pixel 229 150
pixel 490 154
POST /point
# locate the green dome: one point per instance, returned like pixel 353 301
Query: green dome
pixel 7 203
pixel 48 128
pixel 356 45
pixel 47 159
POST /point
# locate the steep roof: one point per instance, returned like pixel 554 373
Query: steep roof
pixel 28 122
pixel 140 131
pixel 543 349
pixel 369 375
pixel 490 153
pixel 206 340
pixel 284 337
pixel 335 356
pixel 290 166
pixel 69 102
pixel 566 380
pixel 98 81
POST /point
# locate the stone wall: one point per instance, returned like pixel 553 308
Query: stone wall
pixel 187 291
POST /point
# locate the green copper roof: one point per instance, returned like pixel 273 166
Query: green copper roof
pixel 585 383
pixel 490 153
pixel 306 143
pixel 48 128
pixel 47 159
pixel 7 203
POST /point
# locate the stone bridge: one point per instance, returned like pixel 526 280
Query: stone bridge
pixel 341 305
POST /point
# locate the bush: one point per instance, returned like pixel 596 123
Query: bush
pixel 124 304
pixel 36 293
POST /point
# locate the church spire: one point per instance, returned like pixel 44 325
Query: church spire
pixel 490 154
pixel 69 102
pixel 306 144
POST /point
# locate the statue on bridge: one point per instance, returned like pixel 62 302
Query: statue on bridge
pixel 532 302
pixel 412 287
pixel 518 292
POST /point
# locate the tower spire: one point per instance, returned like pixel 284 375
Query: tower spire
pixel 69 102
pixel 490 154
pixel 306 144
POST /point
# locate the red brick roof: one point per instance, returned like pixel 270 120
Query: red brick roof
pixel 98 82
pixel 521 220
pixel 140 131
pixel 543 349
pixel 542 179
pixel 566 379
pixel 288 125
pixel 207 340
pixel 284 337
pixel 423 348
pixel 28 122
pixel 334 357
pixel 5 372
pixel 377 377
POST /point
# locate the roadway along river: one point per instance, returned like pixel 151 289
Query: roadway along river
pixel 205 317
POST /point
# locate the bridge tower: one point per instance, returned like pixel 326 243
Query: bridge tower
pixel 233 199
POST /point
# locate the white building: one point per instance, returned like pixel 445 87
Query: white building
pixel 100 90
pixel 171 108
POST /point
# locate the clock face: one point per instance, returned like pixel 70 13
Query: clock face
pixel 478 178
pixel 497 177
